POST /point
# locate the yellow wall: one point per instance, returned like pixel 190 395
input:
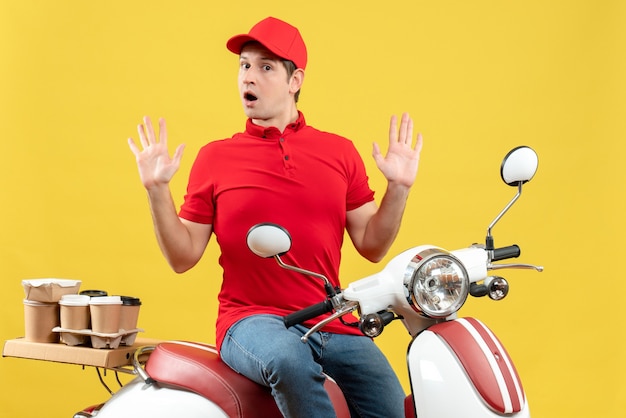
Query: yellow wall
pixel 479 77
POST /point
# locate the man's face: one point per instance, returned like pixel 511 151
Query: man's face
pixel 263 85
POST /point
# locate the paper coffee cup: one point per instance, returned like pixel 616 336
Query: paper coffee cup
pixel 130 312
pixel 39 319
pixel 75 313
pixel 105 314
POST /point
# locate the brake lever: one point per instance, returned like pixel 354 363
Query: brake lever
pixel 341 311
pixel 491 266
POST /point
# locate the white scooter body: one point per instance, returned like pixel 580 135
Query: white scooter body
pixel 138 399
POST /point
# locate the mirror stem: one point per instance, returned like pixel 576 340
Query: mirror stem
pixel 330 291
pixel 489 244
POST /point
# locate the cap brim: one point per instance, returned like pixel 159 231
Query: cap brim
pixel 237 42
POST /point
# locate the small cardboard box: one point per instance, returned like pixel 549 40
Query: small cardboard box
pixel 49 290
pixel 86 356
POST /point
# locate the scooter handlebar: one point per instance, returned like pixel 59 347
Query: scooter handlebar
pixel 512 251
pixel 310 312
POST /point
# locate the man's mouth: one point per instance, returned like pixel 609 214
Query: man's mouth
pixel 250 97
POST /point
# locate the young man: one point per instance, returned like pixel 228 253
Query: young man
pixel 312 183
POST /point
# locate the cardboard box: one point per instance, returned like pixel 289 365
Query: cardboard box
pixel 49 290
pixel 62 353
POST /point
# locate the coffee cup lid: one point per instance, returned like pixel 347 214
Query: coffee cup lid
pixel 94 293
pixel 106 300
pixel 130 301
pixel 74 300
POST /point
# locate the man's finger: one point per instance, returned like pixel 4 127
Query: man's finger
pixel 133 147
pixel 142 136
pixel 162 131
pixel 393 129
pixel 149 130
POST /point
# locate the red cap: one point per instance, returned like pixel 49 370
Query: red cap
pixel 279 37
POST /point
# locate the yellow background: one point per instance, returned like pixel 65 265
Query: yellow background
pixel 478 77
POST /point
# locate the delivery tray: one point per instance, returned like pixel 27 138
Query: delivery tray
pixel 86 356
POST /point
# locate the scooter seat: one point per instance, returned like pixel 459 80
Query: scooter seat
pixel 198 368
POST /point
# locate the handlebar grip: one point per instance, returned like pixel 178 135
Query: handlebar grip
pixel 308 313
pixel 512 251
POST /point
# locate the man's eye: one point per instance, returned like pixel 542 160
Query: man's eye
pixel 267 67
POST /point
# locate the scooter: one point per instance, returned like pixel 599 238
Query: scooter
pixel 457 366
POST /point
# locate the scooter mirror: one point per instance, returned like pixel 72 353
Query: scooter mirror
pixel 519 166
pixel 268 240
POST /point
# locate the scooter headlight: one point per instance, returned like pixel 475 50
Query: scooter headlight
pixel 437 283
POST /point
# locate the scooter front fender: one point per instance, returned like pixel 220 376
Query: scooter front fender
pixel 459 369
pixel 138 399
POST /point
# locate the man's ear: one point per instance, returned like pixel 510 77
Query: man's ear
pixel 296 81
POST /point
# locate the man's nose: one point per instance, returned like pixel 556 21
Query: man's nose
pixel 249 77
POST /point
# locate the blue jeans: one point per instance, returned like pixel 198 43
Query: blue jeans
pixel 262 349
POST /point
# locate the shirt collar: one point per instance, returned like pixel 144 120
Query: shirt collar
pixel 273 132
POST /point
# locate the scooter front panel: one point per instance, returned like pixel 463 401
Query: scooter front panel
pixel 486 362
pixel 451 375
